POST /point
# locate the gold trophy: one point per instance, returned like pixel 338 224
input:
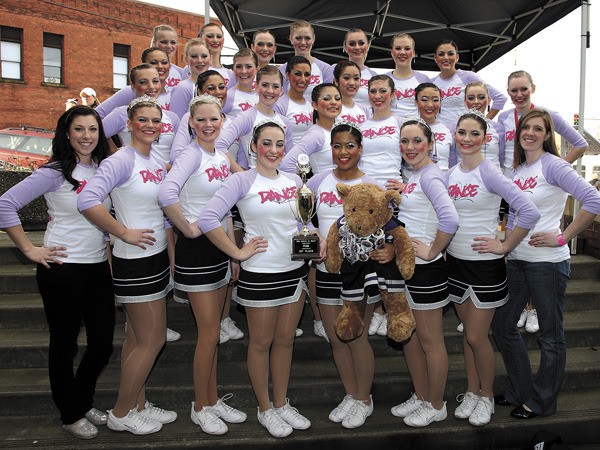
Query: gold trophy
pixel 305 245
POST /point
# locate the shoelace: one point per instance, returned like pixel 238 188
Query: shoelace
pixel 138 420
pixel 225 406
pixel 153 411
pixel 273 418
pixel 346 404
pixel 466 397
pixel 483 407
pixel 423 410
pixel 358 410
pixel 413 400
pixel 206 416
pixel 289 410
pixel 228 324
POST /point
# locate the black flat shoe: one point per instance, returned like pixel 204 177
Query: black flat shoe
pixel 521 413
pixel 501 400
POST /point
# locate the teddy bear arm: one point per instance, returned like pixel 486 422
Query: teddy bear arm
pixel 405 255
pixel 333 261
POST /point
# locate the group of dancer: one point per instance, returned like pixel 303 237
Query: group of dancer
pixel 198 164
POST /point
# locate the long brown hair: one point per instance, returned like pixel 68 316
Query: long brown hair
pixel 549 144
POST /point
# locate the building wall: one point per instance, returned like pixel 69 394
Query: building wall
pixel 89 27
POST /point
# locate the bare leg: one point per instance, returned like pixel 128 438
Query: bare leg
pixel 261 328
pixel 479 354
pixel 282 348
pixel 312 293
pixel 417 365
pixel 341 351
pixel 431 339
pixel 363 361
pixel 147 322
pixel 206 311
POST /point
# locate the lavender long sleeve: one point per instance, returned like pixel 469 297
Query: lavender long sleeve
pixel 35 185
pixel 437 193
pixel 496 182
pixel 120 98
pixel 226 197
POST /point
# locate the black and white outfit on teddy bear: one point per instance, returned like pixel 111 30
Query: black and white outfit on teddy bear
pixel 361 275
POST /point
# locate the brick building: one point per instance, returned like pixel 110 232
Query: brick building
pixel 51 49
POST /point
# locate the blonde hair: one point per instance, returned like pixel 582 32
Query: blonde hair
pixel 209 24
pixel 204 99
pixel 301 24
pixel 163 27
pixel 194 42
pixel 159 28
pixel 246 53
pixel 269 69
pixel 519 74
pixel 400 36
pixel 477 84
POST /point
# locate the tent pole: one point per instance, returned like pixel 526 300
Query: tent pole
pixel 206 11
pixel 585 35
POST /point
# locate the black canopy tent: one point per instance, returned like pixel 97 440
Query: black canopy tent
pixel 483 30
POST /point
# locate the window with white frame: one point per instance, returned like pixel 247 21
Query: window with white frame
pixel 120 65
pixel 53 49
pixel 11 53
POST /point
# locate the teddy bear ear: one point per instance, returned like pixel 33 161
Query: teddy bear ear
pixel 393 197
pixel 343 189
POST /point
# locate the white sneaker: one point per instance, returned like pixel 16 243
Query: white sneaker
pixel 274 423
pixel 298 332
pixel 408 407
pixel 358 414
pixel 460 328
pixel 468 402
pixel 132 422
pixel 532 325
pixel 157 414
pixel 226 412
pixel 96 417
pixel 228 326
pixel 319 330
pixel 293 418
pixel 382 330
pixel 375 322
pixel 180 297
pixel 522 319
pixel 223 336
pixel 483 412
pixel 425 415
pixel 208 420
pixel 172 335
pixel 340 412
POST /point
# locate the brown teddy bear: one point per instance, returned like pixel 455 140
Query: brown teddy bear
pixel 364 227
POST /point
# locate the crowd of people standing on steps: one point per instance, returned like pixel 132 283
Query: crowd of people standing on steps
pixel 190 173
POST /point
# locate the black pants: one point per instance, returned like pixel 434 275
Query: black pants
pixel 73 293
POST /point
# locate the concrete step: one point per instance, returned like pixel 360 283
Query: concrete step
pixel 20 348
pixel 17 279
pixel 576 421
pixel 27 391
pixel 9 254
pixel 25 310
pixel 18 273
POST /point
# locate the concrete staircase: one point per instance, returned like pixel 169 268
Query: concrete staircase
pixel 29 419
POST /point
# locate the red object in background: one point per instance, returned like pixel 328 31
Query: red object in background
pixel 24 149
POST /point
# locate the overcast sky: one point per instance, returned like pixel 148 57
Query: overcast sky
pixel 552 57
